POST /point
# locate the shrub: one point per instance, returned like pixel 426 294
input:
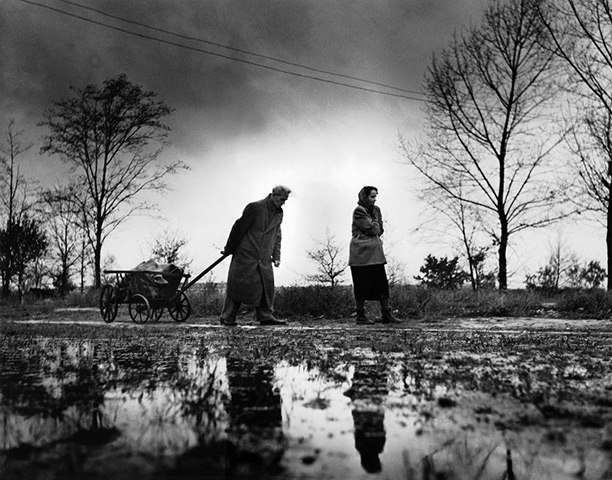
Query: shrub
pixel 206 298
pixel 442 273
pixel 88 299
pixel 419 302
pixel 551 278
pixel 410 301
pixel 595 303
pixel 314 301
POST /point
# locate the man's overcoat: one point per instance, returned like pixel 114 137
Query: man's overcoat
pixel 254 242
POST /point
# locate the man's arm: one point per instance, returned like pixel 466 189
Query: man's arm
pixel 276 253
pixel 239 229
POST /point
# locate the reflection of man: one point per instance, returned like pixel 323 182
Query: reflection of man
pixel 254 411
pixel 254 243
pixel 367 394
pixel 253 444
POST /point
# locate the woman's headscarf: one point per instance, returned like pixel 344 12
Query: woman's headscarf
pixel 364 193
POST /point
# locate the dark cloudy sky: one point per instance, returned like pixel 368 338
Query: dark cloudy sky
pixel 241 127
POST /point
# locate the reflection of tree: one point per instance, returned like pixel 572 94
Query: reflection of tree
pixel 52 390
pixel 200 395
pixel 48 377
pixel 59 387
pixel 367 393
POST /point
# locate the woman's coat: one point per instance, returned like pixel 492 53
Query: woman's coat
pixel 254 243
pixel 366 246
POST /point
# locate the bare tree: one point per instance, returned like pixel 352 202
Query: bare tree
pixel 328 257
pixel 564 269
pixel 64 232
pixel 395 272
pixel 15 199
pixel 487 145
pixel 106 133
pixel 447 215
pixel 582 35
pixel 168 247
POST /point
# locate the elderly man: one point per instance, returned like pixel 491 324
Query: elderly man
pixel 254 243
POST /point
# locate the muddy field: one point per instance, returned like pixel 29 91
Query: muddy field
pixel 455 399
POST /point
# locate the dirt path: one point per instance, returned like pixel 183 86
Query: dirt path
pixel 489 324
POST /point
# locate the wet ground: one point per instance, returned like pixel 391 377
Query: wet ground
pixel 454 399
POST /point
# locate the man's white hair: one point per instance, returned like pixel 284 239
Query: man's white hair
pixel 281 190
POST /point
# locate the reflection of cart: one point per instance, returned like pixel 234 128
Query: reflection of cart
pixel 147 290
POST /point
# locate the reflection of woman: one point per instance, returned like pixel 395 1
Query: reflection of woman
pixel 369 437
pixel 367 259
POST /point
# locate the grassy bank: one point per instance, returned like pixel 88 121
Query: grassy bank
pixel 408 300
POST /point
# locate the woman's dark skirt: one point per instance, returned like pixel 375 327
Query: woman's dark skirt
pixel 370 282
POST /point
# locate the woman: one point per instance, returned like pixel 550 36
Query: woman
pixel 367 259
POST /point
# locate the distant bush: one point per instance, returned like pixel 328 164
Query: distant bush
pixel 206 298
pixel 314 301
pixel 421 302
pixel 409 301
pixel 553 278
pixel 593 303
pixel 75 299
pixel 441 273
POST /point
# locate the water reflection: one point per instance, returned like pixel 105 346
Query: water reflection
pixel 368 392
pixel 251 443
pixel 254 410
pixel 183 410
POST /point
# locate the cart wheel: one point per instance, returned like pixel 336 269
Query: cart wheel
pixel 156 313
pixel 139 309
pixel 109 303
pixel 181 309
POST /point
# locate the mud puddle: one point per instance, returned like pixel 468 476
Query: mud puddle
pixel 88 401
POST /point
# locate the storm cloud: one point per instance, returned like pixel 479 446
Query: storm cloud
pixel 263 92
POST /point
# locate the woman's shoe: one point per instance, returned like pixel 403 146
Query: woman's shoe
pixel 388 317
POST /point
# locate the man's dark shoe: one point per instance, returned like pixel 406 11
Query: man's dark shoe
pixel 228 322
pixel 272 321
pixel 364 321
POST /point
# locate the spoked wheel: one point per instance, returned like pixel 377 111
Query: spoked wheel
pixel 181 309
pixel 156 313
pixel 109 303
pixel 139 309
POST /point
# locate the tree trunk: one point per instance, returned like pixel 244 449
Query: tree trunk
pixel 98 254
pixel 609 237
pixel 82 270
pixel 503 247
pixel 97 263
pixel 63 283
pixel 471 265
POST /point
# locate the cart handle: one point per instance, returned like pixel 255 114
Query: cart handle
pixel 150 272
pixel 208 269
